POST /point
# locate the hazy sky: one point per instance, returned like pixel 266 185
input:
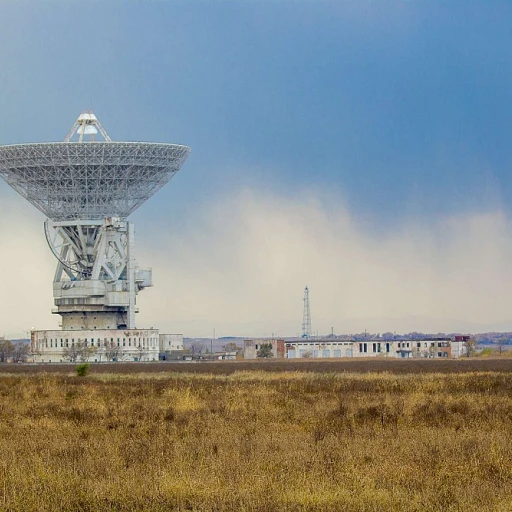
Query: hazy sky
pixel 359 147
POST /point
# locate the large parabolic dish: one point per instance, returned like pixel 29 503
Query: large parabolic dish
pixel 87 189
pixel 89 181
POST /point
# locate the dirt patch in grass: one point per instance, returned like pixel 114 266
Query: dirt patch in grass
pixel 394 366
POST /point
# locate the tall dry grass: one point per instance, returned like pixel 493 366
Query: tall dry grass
pixel 256 441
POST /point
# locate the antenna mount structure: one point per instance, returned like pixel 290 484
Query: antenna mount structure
pixel 306 316
pixel 87 189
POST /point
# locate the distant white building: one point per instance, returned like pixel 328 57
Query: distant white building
pixel 460 346
pixel 170 342
pixel 329 348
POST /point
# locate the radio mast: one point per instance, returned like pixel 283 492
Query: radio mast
pixel 306 316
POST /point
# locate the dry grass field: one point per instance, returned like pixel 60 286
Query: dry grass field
pixel 256 441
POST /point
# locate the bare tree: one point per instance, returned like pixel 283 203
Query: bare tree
pixel 113 352
pixel 470 347
pixel 78 351
pixel 71 353
pixel 197 349
pixel 141 352
pixel 21 351
pixel 501 341
pixel 231 347
pixel 6 350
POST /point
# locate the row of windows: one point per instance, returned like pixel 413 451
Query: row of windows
pixel 376 347
pixel 144 342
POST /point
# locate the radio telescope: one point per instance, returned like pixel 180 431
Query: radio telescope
pixel 87 186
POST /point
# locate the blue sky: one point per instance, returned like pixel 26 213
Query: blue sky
pixel 394 115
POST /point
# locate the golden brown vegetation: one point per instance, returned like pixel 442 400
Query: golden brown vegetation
pixel 256 441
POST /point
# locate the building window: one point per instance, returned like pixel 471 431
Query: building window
pixel 360 347
pixel 365 348
pixel 387 347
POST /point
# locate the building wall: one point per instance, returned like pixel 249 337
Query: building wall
pixel 168 342
pixel 128 345
pixel 459 349
pixel 319 349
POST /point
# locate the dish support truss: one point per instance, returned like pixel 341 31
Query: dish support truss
pixel 96 280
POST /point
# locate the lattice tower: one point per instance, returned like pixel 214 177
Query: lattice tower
pixel 306 315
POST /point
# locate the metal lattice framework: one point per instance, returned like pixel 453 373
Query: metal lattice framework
pixel 89 181
pixel 306 315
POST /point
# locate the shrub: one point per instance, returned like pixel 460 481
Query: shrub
pixel 265 351
pixel 82 369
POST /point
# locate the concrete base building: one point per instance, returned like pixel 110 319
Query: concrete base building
pixel 94 345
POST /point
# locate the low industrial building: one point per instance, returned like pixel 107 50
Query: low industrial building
pixel 329 348
pixel 171 347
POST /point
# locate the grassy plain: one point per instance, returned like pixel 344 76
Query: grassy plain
pixel 256 441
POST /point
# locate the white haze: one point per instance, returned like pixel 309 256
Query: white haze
pixel 241 265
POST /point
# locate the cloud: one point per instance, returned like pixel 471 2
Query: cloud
pixel 27 270
pixel 241 264
pixel 243 270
